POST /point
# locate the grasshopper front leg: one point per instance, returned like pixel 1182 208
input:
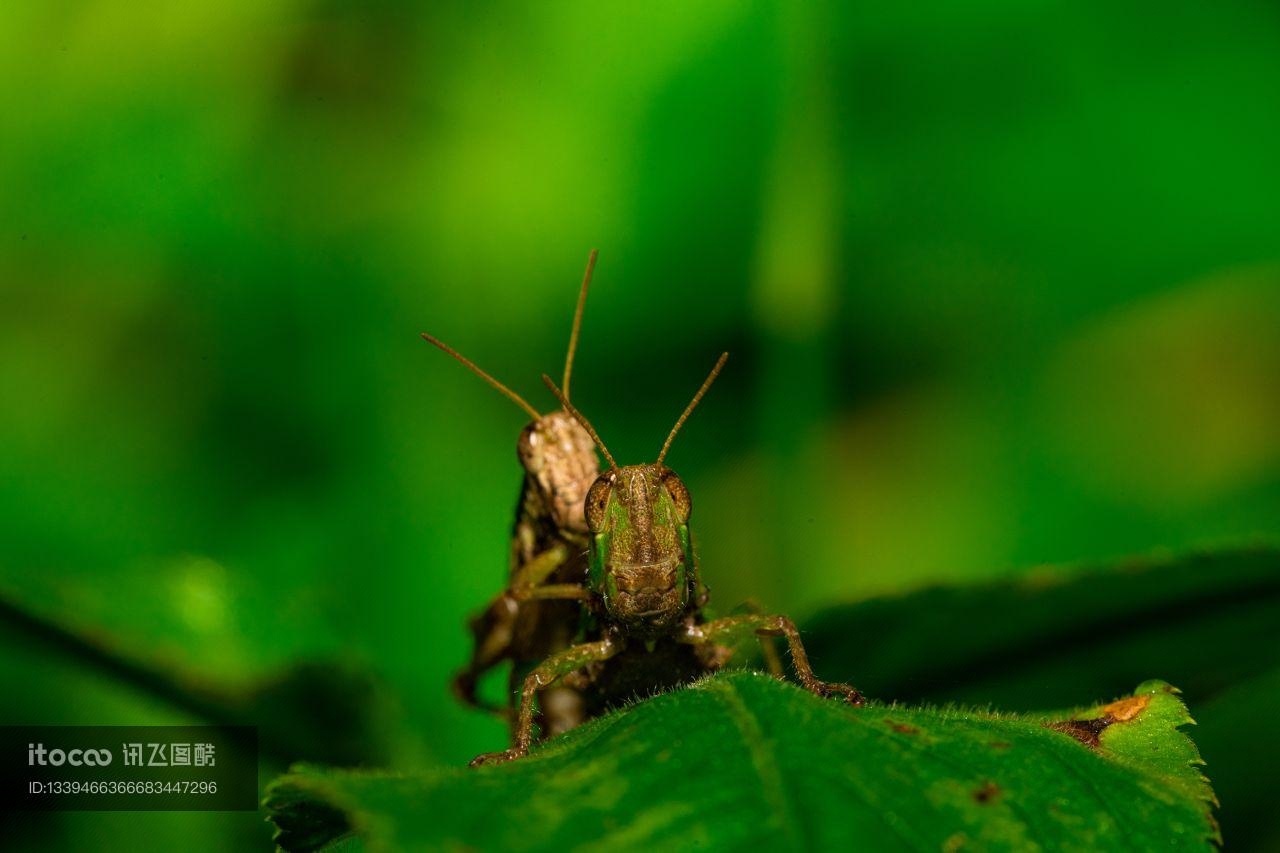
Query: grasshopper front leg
pixel 724 630
pixel 548 672
pixel 494 629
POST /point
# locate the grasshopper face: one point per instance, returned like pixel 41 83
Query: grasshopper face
pixel 641 562
pixel 560 457
pixel 639 554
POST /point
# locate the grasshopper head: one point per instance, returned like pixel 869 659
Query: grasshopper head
pixel 556 452
pixel 640 556
pixel 560 457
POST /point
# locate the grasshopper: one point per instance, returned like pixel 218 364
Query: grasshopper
pixel 537 614
pixel 645 629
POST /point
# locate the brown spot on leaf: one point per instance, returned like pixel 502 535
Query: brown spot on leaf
pixel 1000 744
pixel 988 792
pixel 1125 710
pixel 1089 732
pixel 902 728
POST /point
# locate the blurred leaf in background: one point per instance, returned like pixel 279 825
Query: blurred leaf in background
pixel 1000 282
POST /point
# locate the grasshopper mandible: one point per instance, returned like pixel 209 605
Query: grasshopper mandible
pixel 537 614
pixel 643 596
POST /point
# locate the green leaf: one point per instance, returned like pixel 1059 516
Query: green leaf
pixel 742 759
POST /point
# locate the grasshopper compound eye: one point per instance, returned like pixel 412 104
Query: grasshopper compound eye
pixel 598 501
pixel 679 495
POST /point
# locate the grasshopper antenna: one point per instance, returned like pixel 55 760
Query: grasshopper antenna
pixel 577 321
pixel 580 418
pixel 471 365
pixel 697 398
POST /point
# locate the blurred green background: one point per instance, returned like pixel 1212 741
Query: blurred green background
pixel 1001 284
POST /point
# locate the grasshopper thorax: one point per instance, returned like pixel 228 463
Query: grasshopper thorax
pixel 560 460
pixel 640 555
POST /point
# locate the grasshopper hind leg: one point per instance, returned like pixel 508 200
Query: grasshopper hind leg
pixel 493 631
pixel 500 631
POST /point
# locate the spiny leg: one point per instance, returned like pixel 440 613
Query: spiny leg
pixel 494 629
pixel 560 709
pixel 560 706
pixel 722 630
pixel 553 668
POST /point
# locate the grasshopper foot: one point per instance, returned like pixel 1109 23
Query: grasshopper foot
pixel 497 757
pixel 827 689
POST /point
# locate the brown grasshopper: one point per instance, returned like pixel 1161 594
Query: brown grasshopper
pixel 645 630
pixel 537 614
